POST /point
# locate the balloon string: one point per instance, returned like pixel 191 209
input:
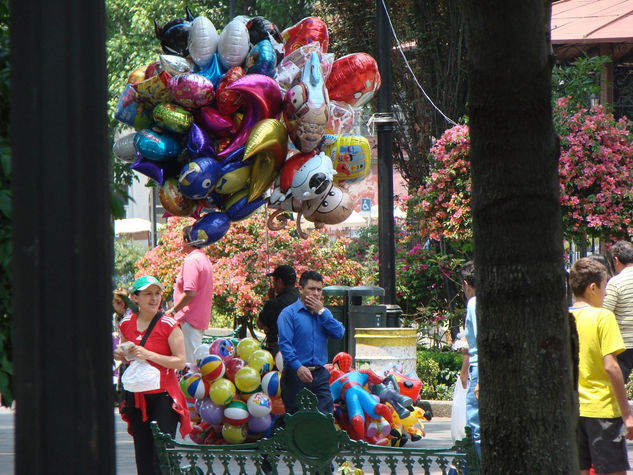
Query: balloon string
pixel 404 58
pixel 267 247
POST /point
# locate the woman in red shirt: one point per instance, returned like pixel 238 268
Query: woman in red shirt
pixel 165 350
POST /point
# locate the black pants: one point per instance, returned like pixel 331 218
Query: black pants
pixel 320 386
pixel 158 409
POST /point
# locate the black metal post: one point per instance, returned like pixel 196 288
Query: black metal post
pixel 384 125
pixel 62 248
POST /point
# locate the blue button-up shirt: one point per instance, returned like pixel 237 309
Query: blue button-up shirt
pixel 471 330
pixel 303 335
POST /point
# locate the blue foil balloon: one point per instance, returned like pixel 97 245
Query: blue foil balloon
pixel 237 206
pixel 198 178
pixel 157 171
pixel 209 229
pixel 261 59
pixel 236 155
pixel 156 146
pixel 214 71
pixel 199 143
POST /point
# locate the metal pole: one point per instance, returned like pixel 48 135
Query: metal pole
pixel 384 125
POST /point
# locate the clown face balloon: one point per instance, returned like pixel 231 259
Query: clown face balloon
pixel 198 178
pixel 306 107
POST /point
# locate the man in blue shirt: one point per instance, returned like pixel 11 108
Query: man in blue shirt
pixel 304 328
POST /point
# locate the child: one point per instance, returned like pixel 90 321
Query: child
pixel 604 409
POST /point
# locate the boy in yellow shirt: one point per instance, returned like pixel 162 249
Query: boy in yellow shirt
pixel 605 416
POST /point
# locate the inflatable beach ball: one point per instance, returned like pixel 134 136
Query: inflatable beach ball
pixel 259 405
pixel 233 434
pixel 236 413
pixel 222 391
pixel 197 387
pixel 271 384
pixel 211 367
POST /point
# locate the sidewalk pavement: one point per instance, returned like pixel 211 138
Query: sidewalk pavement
pixel 438 435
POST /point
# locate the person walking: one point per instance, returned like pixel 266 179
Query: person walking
pixel 193 295
pixel 151 336
pixel 282 293
pixel 619 300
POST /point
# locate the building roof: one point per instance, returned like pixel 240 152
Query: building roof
pixel 592 21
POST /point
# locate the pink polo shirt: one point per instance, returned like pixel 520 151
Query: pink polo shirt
pixel 196 274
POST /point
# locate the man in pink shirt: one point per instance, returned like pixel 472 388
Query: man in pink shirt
pixel 193 294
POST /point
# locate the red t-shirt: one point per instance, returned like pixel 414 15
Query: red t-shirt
pixel 158 343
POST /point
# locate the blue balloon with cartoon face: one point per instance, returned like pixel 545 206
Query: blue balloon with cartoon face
pixel 198 178
pixel 210 228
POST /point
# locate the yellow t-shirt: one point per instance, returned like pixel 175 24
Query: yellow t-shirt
pixel 598 336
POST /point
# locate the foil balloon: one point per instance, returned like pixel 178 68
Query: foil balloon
pixel 155 145
pixel 209 229
pixel 234 177
pixel 263 173
pixel 235 156
pixel 305 107
pixel 199 177
pixel 341 119
pixel 351 158
pixel 172 199
pixel 203 41
pixel 173 118
pixel 191 90
pixel 132 112
pixel 290 67
pixel 233 43
pixel 335 207
pixel 239 206
pixel 214 71
pixel 309 30
pixel 263 100
pixel 174 65
pixel 229 102
pixel 152 69
pixel 173 35
pixel 157 171
pixel 307 176
pixel 124 149
pixel 268 135
pixel 354 79
pixel 154 90
pixel 259 28
pixel 137 75
pixel 199 143
pixel 214 122
pixel 261 59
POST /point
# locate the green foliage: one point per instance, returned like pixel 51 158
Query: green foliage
pixel 438 371
pixel 6 347
pixel 579 80
pixel 126 254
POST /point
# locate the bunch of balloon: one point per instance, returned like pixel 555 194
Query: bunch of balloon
pixel 228 122
pixel 234 392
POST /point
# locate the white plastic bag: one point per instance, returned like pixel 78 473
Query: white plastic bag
pixel 458 411
pixel 140 376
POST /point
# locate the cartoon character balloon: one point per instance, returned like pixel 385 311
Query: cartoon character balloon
pixel 174 35
pixel 354 79
pixel 309 30
pixel 306 107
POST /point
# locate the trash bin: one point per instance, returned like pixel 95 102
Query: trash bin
pixel 339 312
pixel 394 312
pixel 362 315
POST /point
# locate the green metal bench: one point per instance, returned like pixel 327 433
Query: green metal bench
pixel 309 443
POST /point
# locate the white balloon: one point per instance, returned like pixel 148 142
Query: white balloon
pixel 124 148
pixel 233 43
pixel 174 65
pixel 203 41
pixel 200 352
pixel 279 361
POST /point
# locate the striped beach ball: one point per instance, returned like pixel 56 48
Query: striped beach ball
pixel 236 413
pixel 197 387
pixel 271 383
pixel 211 367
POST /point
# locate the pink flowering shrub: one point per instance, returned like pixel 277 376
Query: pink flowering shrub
pixel 596 184
pixel 243 257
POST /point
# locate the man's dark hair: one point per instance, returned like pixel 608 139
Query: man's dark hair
pixel 468 273
pixel 623 250
pixel 309 275
pixel 584 272
pixel 185 234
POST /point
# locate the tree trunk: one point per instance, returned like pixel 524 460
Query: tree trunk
pixel 528 406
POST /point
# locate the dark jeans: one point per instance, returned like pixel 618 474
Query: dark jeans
pixel 625 360
pixel 158 409
pixel 320 386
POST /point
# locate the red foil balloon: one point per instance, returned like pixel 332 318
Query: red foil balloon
pixel 308 30
pixel 229 102
pixel 354 79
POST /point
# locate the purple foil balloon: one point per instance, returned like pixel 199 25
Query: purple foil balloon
pixel 157 171
pixel 198 143
pixel 211 120
pixel 263 100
